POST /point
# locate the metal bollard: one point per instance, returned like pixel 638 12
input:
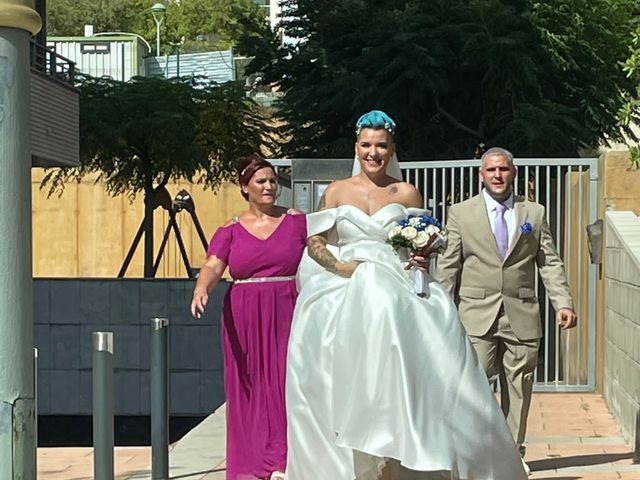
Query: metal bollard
pixel 103 430
pixel 159 398
pixel 35 403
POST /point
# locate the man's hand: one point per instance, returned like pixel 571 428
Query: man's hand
pixel 566 318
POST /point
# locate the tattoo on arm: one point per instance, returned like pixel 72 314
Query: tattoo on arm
pixel 318 251
pixel 322 204
pixel 393 189
pixel 317 244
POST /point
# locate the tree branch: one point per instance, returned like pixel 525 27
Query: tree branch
pixel 163 183
pixel 455 122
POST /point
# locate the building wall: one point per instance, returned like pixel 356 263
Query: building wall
pixel 618 190
pixel 622 319
pixel 216 66
pixel 67 311
pixel 55 113
pixel 619 182
pixel 118 57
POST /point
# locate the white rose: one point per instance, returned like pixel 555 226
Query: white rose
pixel 414 221
pixel 409 233
pixel 395 231
pixel 422 238
pixel 431 230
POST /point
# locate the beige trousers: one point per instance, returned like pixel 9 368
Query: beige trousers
pixel 504 356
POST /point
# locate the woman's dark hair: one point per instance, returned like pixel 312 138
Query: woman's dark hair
pixel 247 167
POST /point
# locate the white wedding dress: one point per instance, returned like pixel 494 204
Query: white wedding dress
pixel 377 374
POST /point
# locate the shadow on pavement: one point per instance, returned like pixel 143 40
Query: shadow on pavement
pixel 577 461
pixel 204 472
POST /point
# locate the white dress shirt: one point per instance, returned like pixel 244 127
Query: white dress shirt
pixel 509 214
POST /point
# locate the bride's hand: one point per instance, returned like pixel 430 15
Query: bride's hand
pixel 420 261
pixel 346 269
pixel 422 258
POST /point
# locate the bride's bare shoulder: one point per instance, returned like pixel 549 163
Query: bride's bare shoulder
pixel 337 188
pixel 331 195
pixel 407 194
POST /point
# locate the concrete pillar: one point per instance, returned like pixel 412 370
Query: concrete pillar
pixel 18 21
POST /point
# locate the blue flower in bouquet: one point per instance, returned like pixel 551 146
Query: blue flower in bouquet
pixel 416 232
pixel 526 228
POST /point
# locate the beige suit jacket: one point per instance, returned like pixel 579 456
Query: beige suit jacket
pixel 472 268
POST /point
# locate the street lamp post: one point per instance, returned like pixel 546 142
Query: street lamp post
pixel 18 22
pixel 176 48
pixel 158 16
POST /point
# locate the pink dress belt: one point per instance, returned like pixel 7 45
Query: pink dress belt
pixel 264 279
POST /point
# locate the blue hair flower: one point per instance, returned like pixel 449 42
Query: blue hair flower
pixel 376 119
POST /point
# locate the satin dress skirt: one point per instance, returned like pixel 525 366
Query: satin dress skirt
pixel 378 375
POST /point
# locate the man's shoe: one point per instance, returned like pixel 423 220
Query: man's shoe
pixel 526 467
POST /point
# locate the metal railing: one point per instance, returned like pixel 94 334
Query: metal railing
pixel 568 188
pixel 45 60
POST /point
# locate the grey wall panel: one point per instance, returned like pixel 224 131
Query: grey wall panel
pixel 70 309
pixel 55 122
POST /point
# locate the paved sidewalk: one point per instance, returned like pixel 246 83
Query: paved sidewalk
pixel 76 463
pixel 574 437
pixel 570 437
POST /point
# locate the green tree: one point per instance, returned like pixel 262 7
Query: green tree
pixel 630 111
pixel 67 17
pixel 203 24
pixel 138 135
pixel 539 77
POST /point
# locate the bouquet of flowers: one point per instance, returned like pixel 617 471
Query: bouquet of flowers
pixel 421 234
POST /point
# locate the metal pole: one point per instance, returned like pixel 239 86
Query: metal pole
pixel 35 406
pixel 159 398
pixel 158 37
pixel 183 250
pixel 178 61
pixel 103 435
pixel 18 21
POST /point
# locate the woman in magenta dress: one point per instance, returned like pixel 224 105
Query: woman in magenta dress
pixel 262 248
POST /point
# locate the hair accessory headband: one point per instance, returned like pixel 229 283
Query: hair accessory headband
pixel 376 119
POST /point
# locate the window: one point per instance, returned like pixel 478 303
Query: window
pixel 93 47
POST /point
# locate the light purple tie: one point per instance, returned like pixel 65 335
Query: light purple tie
pixel 500 230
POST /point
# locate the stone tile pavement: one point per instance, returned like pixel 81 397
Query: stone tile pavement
pixel 76 463
pixel 570 437
pixel 574 437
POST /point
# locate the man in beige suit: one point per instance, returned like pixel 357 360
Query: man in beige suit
pixel 495 242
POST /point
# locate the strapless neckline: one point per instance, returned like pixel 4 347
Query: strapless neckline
pixel 377 211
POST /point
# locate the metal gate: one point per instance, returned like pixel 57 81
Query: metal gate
pixel 568 188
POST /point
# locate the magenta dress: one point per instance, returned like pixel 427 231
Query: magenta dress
pixel 256 321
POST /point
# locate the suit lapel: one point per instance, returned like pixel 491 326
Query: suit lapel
pixel 480 212
pixel 521 217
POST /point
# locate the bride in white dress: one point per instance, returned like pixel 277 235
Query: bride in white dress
pixel 383 383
